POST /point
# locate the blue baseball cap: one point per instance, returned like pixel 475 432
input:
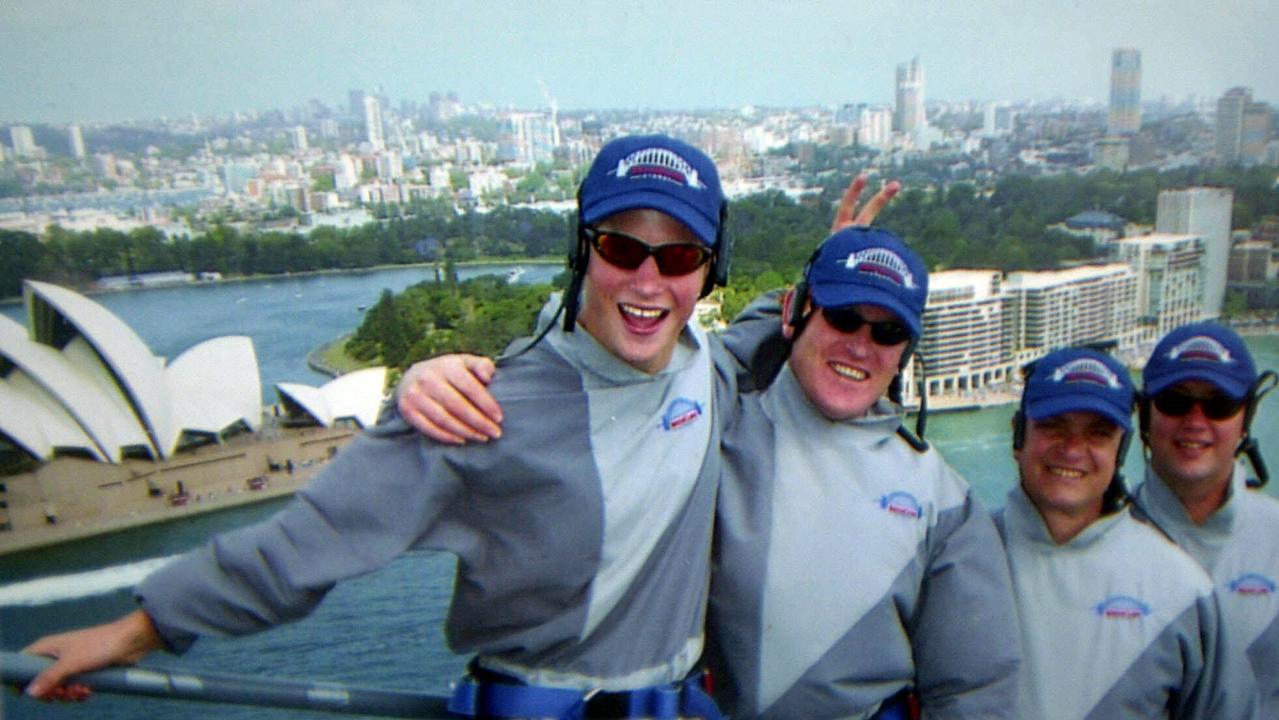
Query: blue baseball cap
pixel 872 266
pixel 1201 351
pixel 1079 380
pixel 659 173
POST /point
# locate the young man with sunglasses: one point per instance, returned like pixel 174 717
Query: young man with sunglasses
pixel 1115 620
pixel 1201 390
pixel 855 573
pixel 583 537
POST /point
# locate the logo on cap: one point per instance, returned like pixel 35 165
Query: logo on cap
pixel 1086 370
pixel 884 263
pixel 659 164
pixel 1201 347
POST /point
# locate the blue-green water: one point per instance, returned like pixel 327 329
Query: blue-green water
pixel 383 629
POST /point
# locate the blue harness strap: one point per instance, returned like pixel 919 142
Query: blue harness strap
pixel 685 699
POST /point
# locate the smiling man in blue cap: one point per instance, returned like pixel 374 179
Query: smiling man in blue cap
pixel 1201 390
pixel 581 584
pixel 856 574
pixel 1115 620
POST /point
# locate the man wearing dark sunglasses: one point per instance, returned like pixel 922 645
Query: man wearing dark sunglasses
pixel 1201 390
pixel 1115 620
pixel 855 573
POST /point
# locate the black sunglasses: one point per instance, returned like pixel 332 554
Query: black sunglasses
pixel 629 252
pixel 882 332
pixel 1216 406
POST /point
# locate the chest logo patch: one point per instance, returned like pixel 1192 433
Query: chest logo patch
pixel 1252 584
pixel 681 412
pixel 901 503
pixel 1122 607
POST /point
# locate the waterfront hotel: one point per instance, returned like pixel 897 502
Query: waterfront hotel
pixel 982 326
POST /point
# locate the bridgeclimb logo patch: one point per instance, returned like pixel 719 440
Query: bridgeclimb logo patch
pixel 1252 584
pixel 1086 370
pixel 680 413
pixel 659 164
pixel 884 264
pixel 1122 607
pixel 1201 347
pixel 902 504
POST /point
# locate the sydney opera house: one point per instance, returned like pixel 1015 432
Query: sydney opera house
pixel 97 432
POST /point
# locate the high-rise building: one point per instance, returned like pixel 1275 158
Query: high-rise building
pixel 355 103
pixel 1230 111
pixel 1055 309
pixel 24 144
pixel 1244 128
pixel 1125 92
pixel 964 346
pixel 1204 212
pixel 909 112
pixel 1169 271
pixel 76 140
pixel 373 122
pixel 980 326
pixel 298 136
pixel 998 119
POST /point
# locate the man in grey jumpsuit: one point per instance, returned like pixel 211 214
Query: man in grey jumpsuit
pixel 583 538
pixel 1200 392
pixel 853 566
pixel 1116 621
pixel 855 573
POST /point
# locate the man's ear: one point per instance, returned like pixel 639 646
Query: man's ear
pixel 788 330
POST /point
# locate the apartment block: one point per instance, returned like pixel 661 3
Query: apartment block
pixel 1205 212
pixel 1169 269
pixel 964 347
pixel 1077 306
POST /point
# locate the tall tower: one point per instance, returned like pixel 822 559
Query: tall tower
pixel 1125 92
pixel 373 122
pixel 1205 212
pixel 908 116
pixel 76 139
pixel 1243 127
pixel 1230 110
pixel 24 144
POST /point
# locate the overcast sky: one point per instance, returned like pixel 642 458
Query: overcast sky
pixel 109 60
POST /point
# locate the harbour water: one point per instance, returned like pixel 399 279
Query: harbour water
pixel 384 629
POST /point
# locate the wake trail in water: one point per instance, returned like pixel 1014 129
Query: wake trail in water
pixel 72 586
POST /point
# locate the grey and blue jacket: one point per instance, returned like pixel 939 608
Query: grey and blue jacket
pixel 1117 623
pixel 850 566
pixel 1239 546
pixel 582 536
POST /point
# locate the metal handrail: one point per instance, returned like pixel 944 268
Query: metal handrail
pixel 21 668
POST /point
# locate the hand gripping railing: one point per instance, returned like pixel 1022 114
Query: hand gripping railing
pixel 20 668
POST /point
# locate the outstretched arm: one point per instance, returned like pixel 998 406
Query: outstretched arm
pixel 122 642
pixel 446 398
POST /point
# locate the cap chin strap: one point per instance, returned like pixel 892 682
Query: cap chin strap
pixel 1248 445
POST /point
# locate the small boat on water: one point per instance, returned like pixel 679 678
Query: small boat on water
pixel 514 274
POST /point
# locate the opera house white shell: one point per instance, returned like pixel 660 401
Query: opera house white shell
pixel 81 382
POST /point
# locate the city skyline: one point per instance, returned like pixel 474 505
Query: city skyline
pixel 114 61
